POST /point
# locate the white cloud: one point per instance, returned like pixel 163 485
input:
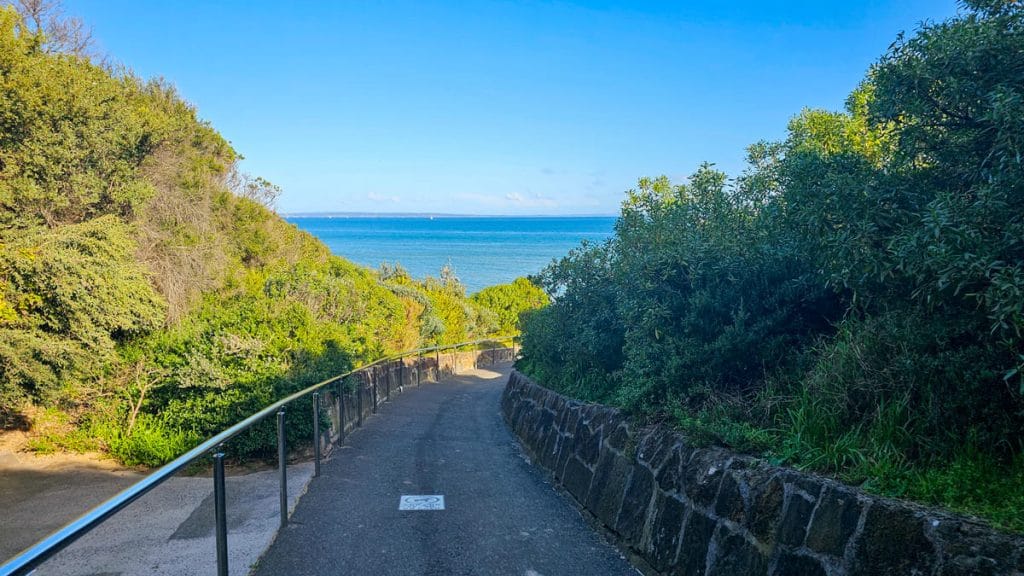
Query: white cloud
pixel 511 200
pixel 375 197
pixel 535 200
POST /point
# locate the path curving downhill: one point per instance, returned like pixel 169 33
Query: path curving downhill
pixel 501 515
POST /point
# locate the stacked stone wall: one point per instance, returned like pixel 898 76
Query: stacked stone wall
pixel 689 511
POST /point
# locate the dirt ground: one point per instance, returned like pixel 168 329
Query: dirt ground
pixel 41 493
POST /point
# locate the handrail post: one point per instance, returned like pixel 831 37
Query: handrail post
pixel 282 466
pixel 220 511
pixel 316 434
pixel 359 403
pixel 65 536
pixel 341 410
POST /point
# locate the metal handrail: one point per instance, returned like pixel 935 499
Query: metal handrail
pixel 46 548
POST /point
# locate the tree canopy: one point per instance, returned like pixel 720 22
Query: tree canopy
pixel 852 302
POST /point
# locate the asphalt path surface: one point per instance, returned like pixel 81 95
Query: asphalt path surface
pixel 501 515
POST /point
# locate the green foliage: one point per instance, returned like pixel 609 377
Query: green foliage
pixel 852 303
pixel 77 293
pixel 149 298
pixel 445 315
pixel 510 301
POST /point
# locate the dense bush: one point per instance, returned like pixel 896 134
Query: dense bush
pixel 510 301
pixel 148 299
pixel 852 303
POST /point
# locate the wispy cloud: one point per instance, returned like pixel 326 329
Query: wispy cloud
pixel 375 197
pixel 511 200
pixel 535 200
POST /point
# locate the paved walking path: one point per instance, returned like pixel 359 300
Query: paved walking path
pixel 170 531
pixel 448 439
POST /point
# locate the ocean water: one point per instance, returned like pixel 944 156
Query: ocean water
pixel 483 250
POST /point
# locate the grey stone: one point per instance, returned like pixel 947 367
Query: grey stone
pixel 803 482
pixel 737 557
pixel 655 447
pixel 588 444
pixel 974 548
pixel 793 528
pixel 665 531
pixel 607 487
pixel 565 451
pixel 967 566
pixel 577 479
pixel 765 508
pixel 668 475
pixel 693 550
pixel 893 543
pixel 730 500
pixel 635 502
pixel 793 565
pixel 702 476
pixel 620 437
pixel 834 521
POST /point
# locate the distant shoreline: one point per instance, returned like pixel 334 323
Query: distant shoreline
pixel 433 215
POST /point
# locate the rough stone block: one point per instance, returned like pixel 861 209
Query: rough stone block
pixel 577 479
pixel 795 519
pixel 735 556
pixel 968 566
pixel 541 429
pixel 693 550
pixel 834 521
pixel 893 543
pixel 547 452
pixel 702 476
pixel 794 565
pixel 668 475
pixel 730 502
pixel 665 532
pixel 765 509
pixel 573 420
pixel 588 444
pixel 972 548
pixel 620 436
pixel 607 487
pixel 811 485
pixel 635 502
pixel 655 447
pixel 565 451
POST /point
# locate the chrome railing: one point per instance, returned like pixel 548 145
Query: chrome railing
pixel 32 557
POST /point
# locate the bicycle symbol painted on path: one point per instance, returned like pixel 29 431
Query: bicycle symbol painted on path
pixel 421 502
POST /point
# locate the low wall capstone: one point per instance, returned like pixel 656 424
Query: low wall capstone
pixel 689 511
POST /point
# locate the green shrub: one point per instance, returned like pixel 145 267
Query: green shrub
pixel 510 301
pixel 144 287
pixel 852 303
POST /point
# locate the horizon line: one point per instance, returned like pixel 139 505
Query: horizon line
pixel 335 214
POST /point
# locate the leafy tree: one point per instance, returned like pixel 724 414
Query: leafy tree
pixel 852 302
pixel 510 301
pixel 149 296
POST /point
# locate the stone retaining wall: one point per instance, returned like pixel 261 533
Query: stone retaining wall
pixel 349 402
pixel 705 511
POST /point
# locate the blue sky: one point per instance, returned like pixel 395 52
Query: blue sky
pixel 497 107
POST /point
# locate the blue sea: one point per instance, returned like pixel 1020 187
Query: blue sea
pixel 483 250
